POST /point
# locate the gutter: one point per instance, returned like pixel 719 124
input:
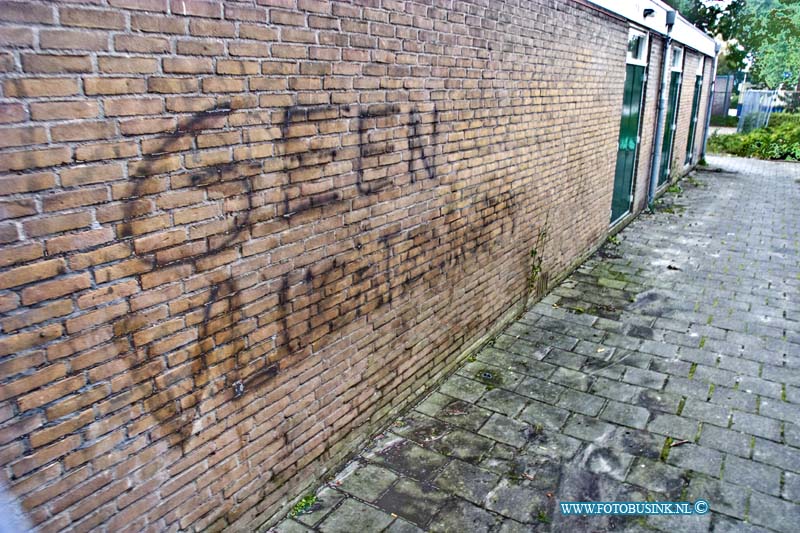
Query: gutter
pixel 662 111
pixel 710 102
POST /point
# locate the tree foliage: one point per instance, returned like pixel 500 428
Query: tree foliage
pixel 763 33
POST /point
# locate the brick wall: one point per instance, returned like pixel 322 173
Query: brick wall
pixel 679 165
pixel 237 236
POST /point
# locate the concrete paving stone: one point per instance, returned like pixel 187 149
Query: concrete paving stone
pixel 774 513
pixel 553 445
pixel 467 481
pixel 722 497
pixel 600 368
pixel 407 458
pixel 581 402
pixel 365 481
pixel 503 401
pixel 779 409
pixel 401 526
pixel 791 434
pixel 463 445
pixel 420 428
pixel 687 387
pixel 625 414
pixel 506 430
pixel 416 502
pixel 644 378
pixel 353 515
pixel 517 501
pixel 752 474
pixel 740 366
pixel 543 416
pixel 775 454
pixel 725 524
pixel 674 426
pixel 573 379
pixel 615 390
pixel 671 367
pixel 289 526
pixel 791 487
pixel 698 458
pixel 541 390
pixel 662 401
pixel 714 375
pixel 694 522
pixel 656 476
pixel 462 388
pixel 733 398
pixel 565 360
pixel 706 412
pixel 769 428
pixel 726 440
pixel 588 428
pixel 491 375
pixel 463 516
pixel 453 411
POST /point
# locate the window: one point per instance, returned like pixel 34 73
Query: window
pixel 700 66
pixel 637 47
pixel 676 63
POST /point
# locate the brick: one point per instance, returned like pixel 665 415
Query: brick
pixel 102 255
pixel 108 86
pixel 64 110
pixel 172 85
pixel 91 174
pixel 73 40
pixel 26 12
pixel 46 436
pixel 37 181
pixel 101 151
pixel 211 28
pixel 140 44
pixel 223 85
pixel 33 381
pixel 27 87
pixel 13 137
pixel 16 36
pixel 78 343
pixel 50 393
pixel 197 8
pixel 201 47
pixel 123 269
pixel 11 113
pixel 93 318
pixel 36 315
pixel 56 224
pixel 83 131
pixel 70 199
pixel 56 64
pixel 107 294
pixel 158 6
pixel 106 19
pixel 55 288
pixel 44 455
pixel 187 65
pixel 157 24
pixel 139 126
pixel 79 241
pixel 29 273
pixel 17 208
pixel 12 255
pixel 127 65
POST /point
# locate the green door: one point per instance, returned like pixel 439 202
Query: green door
pixel 669 127
pixel 698 86
pixel 628 141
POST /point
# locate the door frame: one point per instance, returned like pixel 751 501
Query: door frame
pixel 696 97
pixel 676 60
pixel 639 57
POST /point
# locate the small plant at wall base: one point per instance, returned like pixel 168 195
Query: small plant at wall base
pixel 779 140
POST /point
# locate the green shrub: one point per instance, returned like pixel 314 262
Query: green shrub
pixel 724 121
pixel 781 140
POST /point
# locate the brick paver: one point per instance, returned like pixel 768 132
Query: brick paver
pixel 667 367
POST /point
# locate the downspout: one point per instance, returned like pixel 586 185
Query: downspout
pixel 662 112
pixel 710 101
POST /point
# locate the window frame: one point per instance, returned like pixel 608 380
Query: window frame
pixel 643 47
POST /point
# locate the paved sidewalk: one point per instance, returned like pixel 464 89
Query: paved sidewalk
pixel 666 368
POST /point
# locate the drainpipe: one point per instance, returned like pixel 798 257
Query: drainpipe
pixel 662 112
pixel 710 101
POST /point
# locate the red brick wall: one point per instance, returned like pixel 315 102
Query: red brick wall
pixel 323 203
pixel 647 129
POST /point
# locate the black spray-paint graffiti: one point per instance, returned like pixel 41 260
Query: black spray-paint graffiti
pixel 222 299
